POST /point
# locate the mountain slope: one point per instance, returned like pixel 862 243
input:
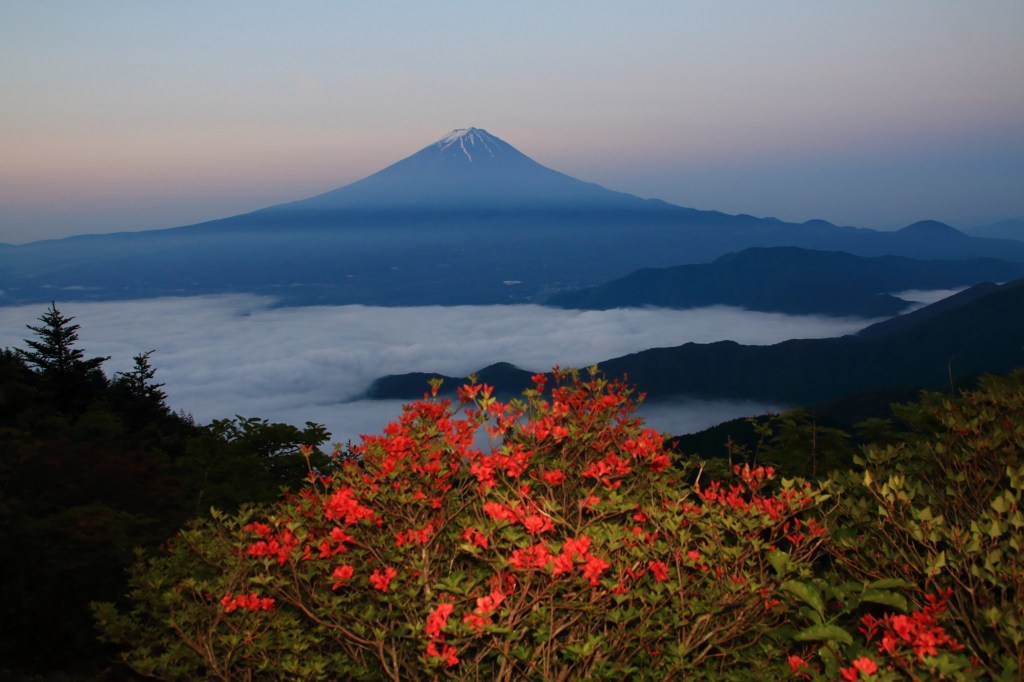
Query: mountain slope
pixel 790 280
pixel 982 332
pixel 1004 229
pixel 468 169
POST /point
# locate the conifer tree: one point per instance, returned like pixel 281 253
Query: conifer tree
pixel 70 379
pixel 55 353
pixel 139 381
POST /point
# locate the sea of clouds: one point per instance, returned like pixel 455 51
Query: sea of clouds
pixel 219 356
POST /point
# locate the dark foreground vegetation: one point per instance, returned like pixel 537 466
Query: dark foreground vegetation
pixel 90 468
pixel 548 537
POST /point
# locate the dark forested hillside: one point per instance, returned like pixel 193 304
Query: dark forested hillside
pixel 790 280
pixel 90 468
pixel 979 331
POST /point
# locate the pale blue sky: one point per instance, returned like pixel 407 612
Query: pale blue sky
pixel 135 115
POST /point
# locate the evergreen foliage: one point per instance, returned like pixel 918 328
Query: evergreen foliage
pixel 55 353
pixel 91 468
pixel 71 379
pixel 138 382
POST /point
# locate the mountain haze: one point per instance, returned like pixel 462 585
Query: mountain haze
pixel 466 220
pixel 1004 229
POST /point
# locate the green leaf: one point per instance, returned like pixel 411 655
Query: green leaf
pixel 779 561
pixel 807 593
pixel 452 583
pixel 885 597
pixel 828 657
pixel 824 633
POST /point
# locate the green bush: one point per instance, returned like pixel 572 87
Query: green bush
pixel 572 549
pixel 941 509
pixel 553 537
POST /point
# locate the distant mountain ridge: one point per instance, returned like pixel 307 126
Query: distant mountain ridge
pixel 1004 229
pixel 981 330
pixel 791 280
pixel 466 220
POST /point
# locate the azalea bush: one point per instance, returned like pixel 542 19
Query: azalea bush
pixel 551 537
pixel 869 631
pixel 940 508
pixel 555 537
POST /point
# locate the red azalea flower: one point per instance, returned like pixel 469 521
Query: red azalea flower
pixel 536 524
pixel 342 574
pixel 593 569
pixel 553 477
pixel 476 622
pixel 476 537
pixel 866 665
pixel 489 603
pixel 849 674
pixel 659 570
pixel 381 579
pixel 447 653
pixel 438 618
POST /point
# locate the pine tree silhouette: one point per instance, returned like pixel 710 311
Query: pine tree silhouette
pixel 62 366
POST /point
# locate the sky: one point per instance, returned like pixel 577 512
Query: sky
pixel 221 356
pixel 127 115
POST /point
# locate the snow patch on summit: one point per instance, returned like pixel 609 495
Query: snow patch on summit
pixel 469 140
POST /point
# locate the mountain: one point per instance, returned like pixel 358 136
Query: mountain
pixel 509 381
pixel 466 220
pixel 1004 229
pixel 468 169
pixel 979 330
pixel 790 280
pixel 915 318
pixel 984 335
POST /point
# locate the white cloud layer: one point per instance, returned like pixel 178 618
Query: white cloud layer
pixel 919 298
pixel 237 354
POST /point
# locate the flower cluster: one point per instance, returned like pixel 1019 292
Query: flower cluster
pixel 574 513
pixel 575 552
pixel 919 633
pixel 278 545
pixel 436 621
pixel 746 496
pixel 248 602
pixel 861 666
pixel 381 579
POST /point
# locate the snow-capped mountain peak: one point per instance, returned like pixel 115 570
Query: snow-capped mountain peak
pixel 470 168
pixel 469 141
